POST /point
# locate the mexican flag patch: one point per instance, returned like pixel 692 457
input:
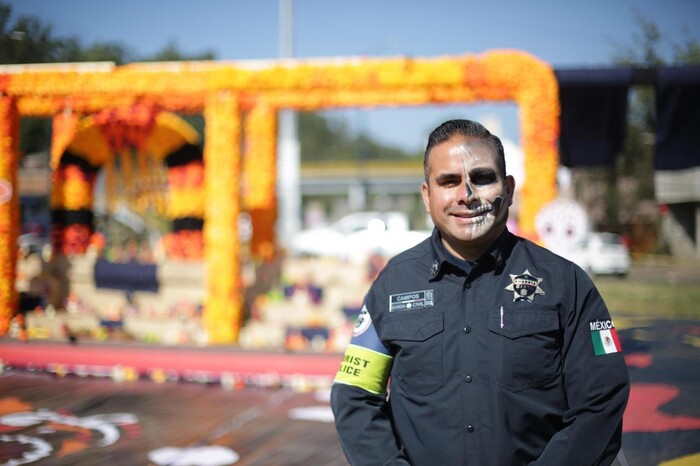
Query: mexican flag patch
pixel 605 339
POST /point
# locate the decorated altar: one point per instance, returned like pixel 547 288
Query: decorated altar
pixel 123 122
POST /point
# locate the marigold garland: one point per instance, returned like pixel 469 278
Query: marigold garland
pixel 168 134
pixel 9 209
pixel 75 239
pixel 63 129
pixel 126 127
pixel 71 191
pixel 186 202
pixel 190 175
pixel 260 175
pixel 260 157
pixel 223 302
pixel 263 242
pixel 90 144
pixel 185 198
pixel 72 188
pixel 498 76
pixel 184 245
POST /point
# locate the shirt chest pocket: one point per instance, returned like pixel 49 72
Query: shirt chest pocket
pixel 417 342
pixel 524 347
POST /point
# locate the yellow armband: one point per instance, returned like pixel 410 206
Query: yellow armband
pixel 365 368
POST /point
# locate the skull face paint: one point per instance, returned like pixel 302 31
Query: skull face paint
pixel 465 195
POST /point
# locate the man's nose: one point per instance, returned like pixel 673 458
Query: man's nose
pixel 469 191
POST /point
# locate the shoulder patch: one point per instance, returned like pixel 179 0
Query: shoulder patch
pixel 604 337
pixel 364 320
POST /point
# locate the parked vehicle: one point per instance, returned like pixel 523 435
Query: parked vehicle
pixel 357 235
pixel 602 254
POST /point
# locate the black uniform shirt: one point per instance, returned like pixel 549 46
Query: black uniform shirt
pixel 515 362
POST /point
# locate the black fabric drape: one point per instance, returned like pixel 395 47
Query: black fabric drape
pixel 678 118
pixel 129 276
pixel 593 115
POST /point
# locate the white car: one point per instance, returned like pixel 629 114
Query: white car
pixel 357 235
pixel 602 254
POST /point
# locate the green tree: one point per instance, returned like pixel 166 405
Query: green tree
pixel 689 51
pixel 172 52
pixel 104 51
pixel 27 40
pixel 322 139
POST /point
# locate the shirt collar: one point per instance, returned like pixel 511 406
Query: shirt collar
pixel 494 257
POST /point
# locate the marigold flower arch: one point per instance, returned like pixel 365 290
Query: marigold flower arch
pixel 136 138
pixel 240 101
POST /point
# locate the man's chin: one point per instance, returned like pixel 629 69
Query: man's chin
pixel 477 233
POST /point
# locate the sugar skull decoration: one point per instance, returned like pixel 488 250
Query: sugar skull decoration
pixel 562 225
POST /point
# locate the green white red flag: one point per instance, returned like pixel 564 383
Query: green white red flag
pixel 606 342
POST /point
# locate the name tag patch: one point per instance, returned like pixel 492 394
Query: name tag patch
pixel 411 300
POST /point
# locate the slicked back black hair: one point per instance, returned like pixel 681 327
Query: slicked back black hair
pixel 469 130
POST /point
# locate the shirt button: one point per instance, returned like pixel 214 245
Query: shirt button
pixel 468 379
pixel 467 329
pixel 468 285
pixel 470 428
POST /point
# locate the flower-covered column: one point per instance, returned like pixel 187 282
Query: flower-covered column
pixel 259 176
pixel 538 98
pixel 185 206
pixel 223 306
pixel 9 209
pixel 72 188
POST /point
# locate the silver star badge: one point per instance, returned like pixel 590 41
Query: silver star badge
pixel 524 286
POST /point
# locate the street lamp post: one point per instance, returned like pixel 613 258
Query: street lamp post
pixel 289 159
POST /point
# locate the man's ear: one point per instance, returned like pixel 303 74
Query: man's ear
pixel 425 192
pixel 510 189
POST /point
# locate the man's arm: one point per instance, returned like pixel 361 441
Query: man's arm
pixel 358 399
pixel 596 383
pixel 364 427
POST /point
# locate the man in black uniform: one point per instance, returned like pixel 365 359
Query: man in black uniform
pixel 498 352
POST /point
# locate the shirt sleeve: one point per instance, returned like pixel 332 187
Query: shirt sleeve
pixel 596 383
pixel 358 399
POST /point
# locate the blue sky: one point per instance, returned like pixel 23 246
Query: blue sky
pixel 562 33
